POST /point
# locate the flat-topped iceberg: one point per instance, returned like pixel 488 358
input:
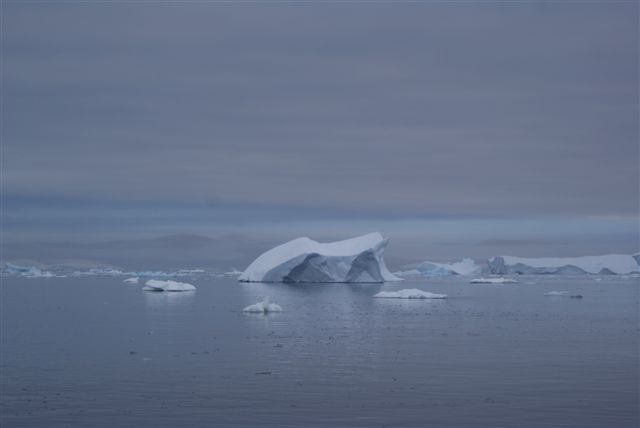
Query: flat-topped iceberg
pixel 305 260
pixel 610 264
pixel 157 285
pixel 433 269
pixel 409 293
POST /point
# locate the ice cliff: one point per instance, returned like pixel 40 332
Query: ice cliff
pixel 305 260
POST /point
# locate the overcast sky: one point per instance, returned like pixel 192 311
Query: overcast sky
pixel 508 126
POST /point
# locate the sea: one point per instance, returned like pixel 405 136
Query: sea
pixel 98 352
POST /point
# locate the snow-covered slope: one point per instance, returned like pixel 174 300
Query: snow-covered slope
pixel 610 264
pixel 305 260
pixel 431 269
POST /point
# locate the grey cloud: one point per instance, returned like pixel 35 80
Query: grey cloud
pixel 338 110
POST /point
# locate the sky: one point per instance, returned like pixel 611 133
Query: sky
pixel 457 129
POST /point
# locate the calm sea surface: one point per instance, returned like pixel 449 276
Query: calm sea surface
pixel 94 352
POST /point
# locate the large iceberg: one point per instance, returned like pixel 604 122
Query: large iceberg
pixel 305 260
pixel 610 264
pixel 433 269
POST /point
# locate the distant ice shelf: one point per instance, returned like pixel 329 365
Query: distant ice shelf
pixel 610 264
pixel 409 293
pixel 305 260
pixel 64 271
pixel 28 271
pixel 434 269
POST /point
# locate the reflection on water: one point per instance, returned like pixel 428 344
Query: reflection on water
pixel 168 298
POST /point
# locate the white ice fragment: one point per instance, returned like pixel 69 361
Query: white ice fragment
pixel 157 285
pixel 493 281
pixel 133 280
pixel 556 293
pixel 304 260
pixel 409 293
pixel 263 307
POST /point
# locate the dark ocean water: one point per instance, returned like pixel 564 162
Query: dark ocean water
pixel 94 352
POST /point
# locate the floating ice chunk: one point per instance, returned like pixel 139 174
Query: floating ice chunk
pixel 556 293
pixel 157 285
pixel 263 307
pixel 609 264
pixel 431 269
pixel 233 272
pixel 133 280
pixel 409 293
pixel 493 281
pixel 304 260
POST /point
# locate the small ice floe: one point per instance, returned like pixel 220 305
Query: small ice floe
pixel 263 307
pixel 556 293
pixel 133 280
pixel 493 281
pixel 409 293
pixel 157 285
pixel 234 272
